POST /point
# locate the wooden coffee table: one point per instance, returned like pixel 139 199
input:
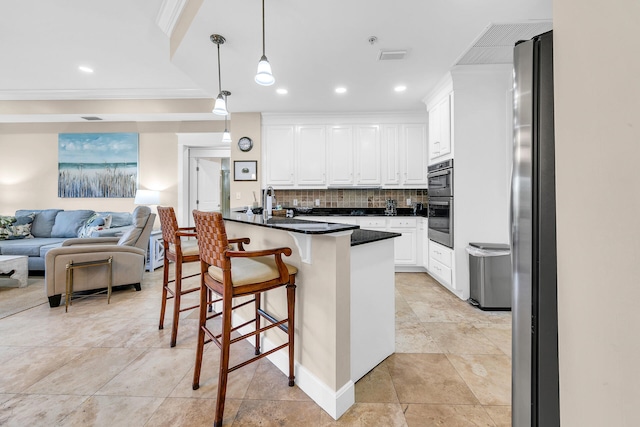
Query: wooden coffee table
pixel 17 265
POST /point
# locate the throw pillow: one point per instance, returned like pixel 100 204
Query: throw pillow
pixel 95 223
pixel 19 227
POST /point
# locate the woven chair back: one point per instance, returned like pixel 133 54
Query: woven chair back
pixel 168 224
pixel 212 239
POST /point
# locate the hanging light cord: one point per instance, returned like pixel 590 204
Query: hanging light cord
pixel 263 49
pixel 219 78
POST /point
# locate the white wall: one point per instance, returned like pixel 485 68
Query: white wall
pixel 482 161
pixel 597 113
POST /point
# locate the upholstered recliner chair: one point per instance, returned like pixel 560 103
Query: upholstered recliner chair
pixel 128 252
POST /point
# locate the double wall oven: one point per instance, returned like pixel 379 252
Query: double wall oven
pixel 440 204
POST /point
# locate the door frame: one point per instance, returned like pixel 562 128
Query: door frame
pixel 186 142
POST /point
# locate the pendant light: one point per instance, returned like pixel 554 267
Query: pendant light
pixel 264 76
pixel 220 107
pixel 226 136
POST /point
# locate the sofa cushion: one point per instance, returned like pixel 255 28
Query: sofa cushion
pixel 68 223
pixel 27 247
pixel 118 219
pixel 43 222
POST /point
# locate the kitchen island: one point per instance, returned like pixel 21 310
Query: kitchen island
pixel 345 301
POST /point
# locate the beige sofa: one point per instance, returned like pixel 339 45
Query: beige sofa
pixel 128 252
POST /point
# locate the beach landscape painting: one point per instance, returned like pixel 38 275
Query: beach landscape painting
pixel 97 164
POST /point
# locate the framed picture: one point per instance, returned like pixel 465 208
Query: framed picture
pixel 97 164
pixel 245 170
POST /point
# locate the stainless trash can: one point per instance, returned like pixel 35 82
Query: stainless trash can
pixel 490 275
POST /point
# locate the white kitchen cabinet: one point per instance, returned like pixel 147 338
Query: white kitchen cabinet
pixel 390 147
pixel 423 236
pixel 441 264
pixel 373 223
pixel 414 154
pixel 405 246
pixel 279 155
pixel 311 156
pixel 340 149
pixel 440 129
pixel 367 155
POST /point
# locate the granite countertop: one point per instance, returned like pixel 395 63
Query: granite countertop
pixel 358 212
pixel 358 237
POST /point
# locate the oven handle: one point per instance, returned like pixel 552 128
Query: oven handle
pixel 439 173
pixel 433 202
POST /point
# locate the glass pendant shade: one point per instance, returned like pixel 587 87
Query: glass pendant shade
pixel 226 136
pixel 220 107
pixel 264 76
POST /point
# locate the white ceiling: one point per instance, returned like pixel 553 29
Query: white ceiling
pixel 312 46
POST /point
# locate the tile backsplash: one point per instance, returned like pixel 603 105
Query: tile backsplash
pixel 348 198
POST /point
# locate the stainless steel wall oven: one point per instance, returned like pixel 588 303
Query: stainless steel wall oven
pixel 440 203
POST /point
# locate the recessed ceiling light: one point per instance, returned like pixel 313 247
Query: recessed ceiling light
pixel 85 69
pixel 400 88
pixel 341 89
pixel 282 91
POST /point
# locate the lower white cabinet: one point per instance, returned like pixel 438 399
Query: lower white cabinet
pixel 441 264
pixel 406 245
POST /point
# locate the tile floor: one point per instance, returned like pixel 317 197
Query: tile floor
pixel 109 365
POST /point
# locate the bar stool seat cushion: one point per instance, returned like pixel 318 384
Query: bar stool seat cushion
pixel 245 271
pixel 189 247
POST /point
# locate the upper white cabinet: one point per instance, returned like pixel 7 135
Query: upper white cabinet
pixel 440 107
pixel 404 149
pixel 367 155
pixel 340 168
pixel 415 155
pixel 361 152
pixel 311 156
pixel 440 128
pixel 280 155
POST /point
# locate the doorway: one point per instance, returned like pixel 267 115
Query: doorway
pixel 208 182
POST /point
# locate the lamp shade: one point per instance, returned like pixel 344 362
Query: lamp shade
pixel 226 136
pixel 264 76
pixel 220 107
pixel 147 197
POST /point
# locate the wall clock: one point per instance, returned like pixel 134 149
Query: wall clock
pixel 245 143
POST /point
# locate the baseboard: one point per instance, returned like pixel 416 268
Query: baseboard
pixel 335 403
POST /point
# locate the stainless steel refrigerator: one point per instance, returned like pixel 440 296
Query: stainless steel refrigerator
pixel 535 394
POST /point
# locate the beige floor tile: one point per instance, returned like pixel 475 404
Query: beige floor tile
pixel 113 411
pixel 274 413
pixel 499 334
pixel 487 375
pixel 87 373
pixel 412 337
pixel 418 415
pixel 501 415
pixel 404 313
pixel 181 412
pixel 37 410
pixel 429 310
pixel 376 386
pixel 156 373
pixel 237 382
pixel 428 378
pixel 460 338
pixel 20 373
pixel 8 353
pixel 269 382
pixel 368 415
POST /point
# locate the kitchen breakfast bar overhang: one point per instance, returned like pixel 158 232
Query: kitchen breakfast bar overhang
pixel 345 302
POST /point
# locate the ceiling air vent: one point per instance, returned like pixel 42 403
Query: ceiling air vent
pixel 388 55
pixel 92 118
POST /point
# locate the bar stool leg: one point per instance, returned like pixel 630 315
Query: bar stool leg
pixel 165 283
pixel 176 304
pixel 291 301
pixel 204 291
pixel 227 305
pixel 257 298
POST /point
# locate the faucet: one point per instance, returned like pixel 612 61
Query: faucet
pixel 265 212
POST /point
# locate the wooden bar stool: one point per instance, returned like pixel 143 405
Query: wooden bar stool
pixel 178 251
pixel 238 273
